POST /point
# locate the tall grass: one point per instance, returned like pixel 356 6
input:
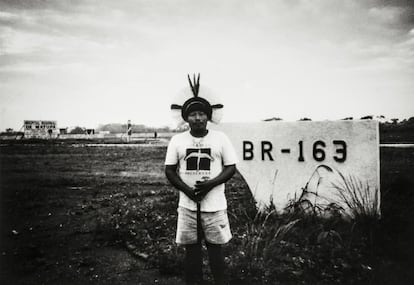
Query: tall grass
pixel 354 200
pixel 264 232
pixel 298 246
pixel 304 245
pixel 309 200
pixel 361 199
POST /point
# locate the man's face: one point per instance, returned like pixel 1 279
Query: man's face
pixel 197 120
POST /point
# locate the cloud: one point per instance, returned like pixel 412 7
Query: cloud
pixel 310 49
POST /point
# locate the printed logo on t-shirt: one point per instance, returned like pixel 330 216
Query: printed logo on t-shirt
pixel 198 158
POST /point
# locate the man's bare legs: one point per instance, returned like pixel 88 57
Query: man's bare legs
pixel 217 266
pixel 194 262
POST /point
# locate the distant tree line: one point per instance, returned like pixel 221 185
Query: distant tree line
pixel 139 128
pixel 392 131
pixel 368 117
pixel 78 131
pixel 114 128
pixel 397 131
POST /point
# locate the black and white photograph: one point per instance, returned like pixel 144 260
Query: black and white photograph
pixel 191 142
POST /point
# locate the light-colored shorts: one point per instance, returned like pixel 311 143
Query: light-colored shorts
pixel 215 225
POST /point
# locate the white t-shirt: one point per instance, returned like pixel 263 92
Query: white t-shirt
pixel 199 159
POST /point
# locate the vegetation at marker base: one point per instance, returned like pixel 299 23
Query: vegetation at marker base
pixel 297 247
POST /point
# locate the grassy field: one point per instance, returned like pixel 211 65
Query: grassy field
pixel 76 214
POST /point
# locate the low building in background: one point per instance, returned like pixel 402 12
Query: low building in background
pixel 40 129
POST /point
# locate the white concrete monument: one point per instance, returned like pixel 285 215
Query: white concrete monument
pixel 335 162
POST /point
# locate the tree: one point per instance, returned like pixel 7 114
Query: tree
pixel 273 119
pixel 369 117
pixel 78 131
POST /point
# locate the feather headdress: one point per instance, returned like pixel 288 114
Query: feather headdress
pixel 196 96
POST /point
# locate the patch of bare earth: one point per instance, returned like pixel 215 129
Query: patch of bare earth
pixel 51 198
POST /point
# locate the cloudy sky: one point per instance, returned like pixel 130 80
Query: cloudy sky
pixel 87 62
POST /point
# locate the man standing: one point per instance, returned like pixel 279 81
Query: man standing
pixel 198 163
pixel 129 131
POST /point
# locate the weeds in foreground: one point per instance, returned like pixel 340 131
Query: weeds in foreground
pixel 355 199
pixel 361 200
pixel 297 247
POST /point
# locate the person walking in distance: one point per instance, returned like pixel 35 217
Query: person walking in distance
pixel 129 131
pixel 198 163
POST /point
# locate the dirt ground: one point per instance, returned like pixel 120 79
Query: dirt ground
pixel 54 197
pixel 50 197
